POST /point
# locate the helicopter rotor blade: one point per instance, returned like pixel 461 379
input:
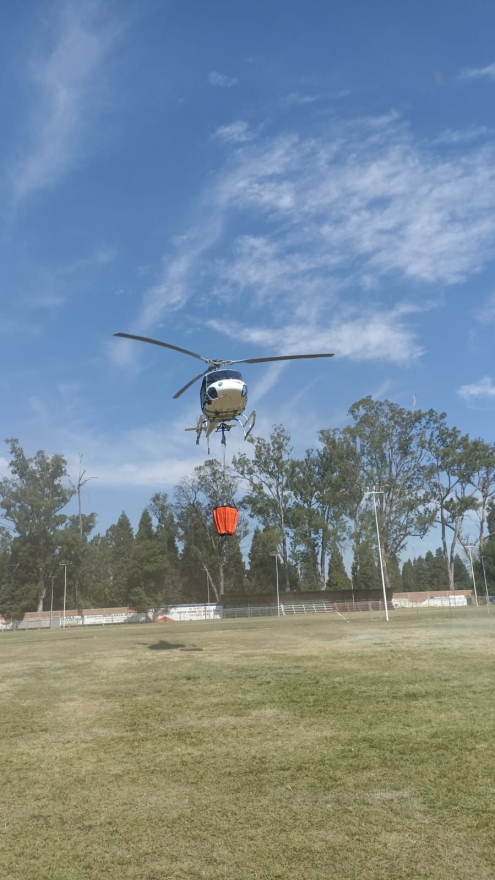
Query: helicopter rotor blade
pixel 190 383
pixel 281 357
pixel 163 344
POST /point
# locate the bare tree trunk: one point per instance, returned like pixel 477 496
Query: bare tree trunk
pixel 385 558
pixel 78 488
pixel 449 560
pixel 212 582
pixel 41 596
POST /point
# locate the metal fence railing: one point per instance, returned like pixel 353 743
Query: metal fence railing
pixel 218 612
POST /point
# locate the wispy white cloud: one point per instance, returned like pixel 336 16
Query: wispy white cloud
pixel 68 86
pixel 320 222
pixel 220 79
pixel 100 256
pixel 453 137
pixel 268 381
pixel 237 132
pixel 377 335
pixel 482 390
pixel 485 315
pixel 297 98
pixel 487 72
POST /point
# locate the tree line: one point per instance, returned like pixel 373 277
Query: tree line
pixel 305 511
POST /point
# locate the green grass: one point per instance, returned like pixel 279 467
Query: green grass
pixel 119 759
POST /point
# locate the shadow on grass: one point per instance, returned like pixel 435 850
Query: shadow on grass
pixel 162 645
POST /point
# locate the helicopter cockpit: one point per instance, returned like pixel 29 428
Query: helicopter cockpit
pixel 233 384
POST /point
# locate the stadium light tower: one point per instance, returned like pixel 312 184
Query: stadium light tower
pixel 486 585
pixel 470 546
pixel 374 492
pixel 65 564
pixel 275 554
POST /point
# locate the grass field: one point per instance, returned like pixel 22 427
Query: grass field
pixel 295 748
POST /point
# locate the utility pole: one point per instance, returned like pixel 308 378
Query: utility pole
pixel 470 546
pixel 486 585
pixel 65 564
pixel 374 493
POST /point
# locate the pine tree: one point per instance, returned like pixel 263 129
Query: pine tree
pixel 262 574
pixel 490 523
pixel 235 574
pixel 121 540
pixel 421 579
pixel 365 571
pixel 338 579
pixel 462 578
pixel 438 572
pixel 394 574
pixel 408 579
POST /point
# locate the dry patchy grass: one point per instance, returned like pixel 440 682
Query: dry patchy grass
pixel 263 750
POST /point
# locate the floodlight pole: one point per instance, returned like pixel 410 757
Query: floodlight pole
pixel 486 585
pixel 65 564
pixel 275 554
pixel 469 546
pixel 208 591
pixel 376 492
pixel 51 605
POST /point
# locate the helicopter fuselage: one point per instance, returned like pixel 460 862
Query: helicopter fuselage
pixel 223 395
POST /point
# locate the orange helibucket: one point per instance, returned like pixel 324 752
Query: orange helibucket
pixel 225 520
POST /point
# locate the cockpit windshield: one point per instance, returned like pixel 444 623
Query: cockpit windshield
pixel 219 375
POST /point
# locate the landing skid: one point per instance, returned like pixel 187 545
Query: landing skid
pixel 207 427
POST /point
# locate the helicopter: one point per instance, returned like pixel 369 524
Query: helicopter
pixel 223 395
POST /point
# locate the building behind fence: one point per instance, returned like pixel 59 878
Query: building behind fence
pixel 290 604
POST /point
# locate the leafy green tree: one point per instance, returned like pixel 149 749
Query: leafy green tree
pixel 14 600
pixel 325 486
pixel 219 557
pixel 31 500
pixel 483 481
pixel 74 551
pixel 392 443
pixel 338 579
pixel 454 461
pixel 365 571
pixel 270 497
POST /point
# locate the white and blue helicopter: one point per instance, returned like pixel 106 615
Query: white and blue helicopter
pixel 223 394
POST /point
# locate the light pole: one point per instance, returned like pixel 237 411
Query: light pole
pixel 275 554
pixel 486 585
pixel 51 605
pixel 376 492
pixel 65 564
pixel 469 546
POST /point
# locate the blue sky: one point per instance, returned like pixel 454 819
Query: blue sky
pixel 241 179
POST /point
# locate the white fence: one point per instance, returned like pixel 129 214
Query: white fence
pixel 178 613
pixel 73 620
